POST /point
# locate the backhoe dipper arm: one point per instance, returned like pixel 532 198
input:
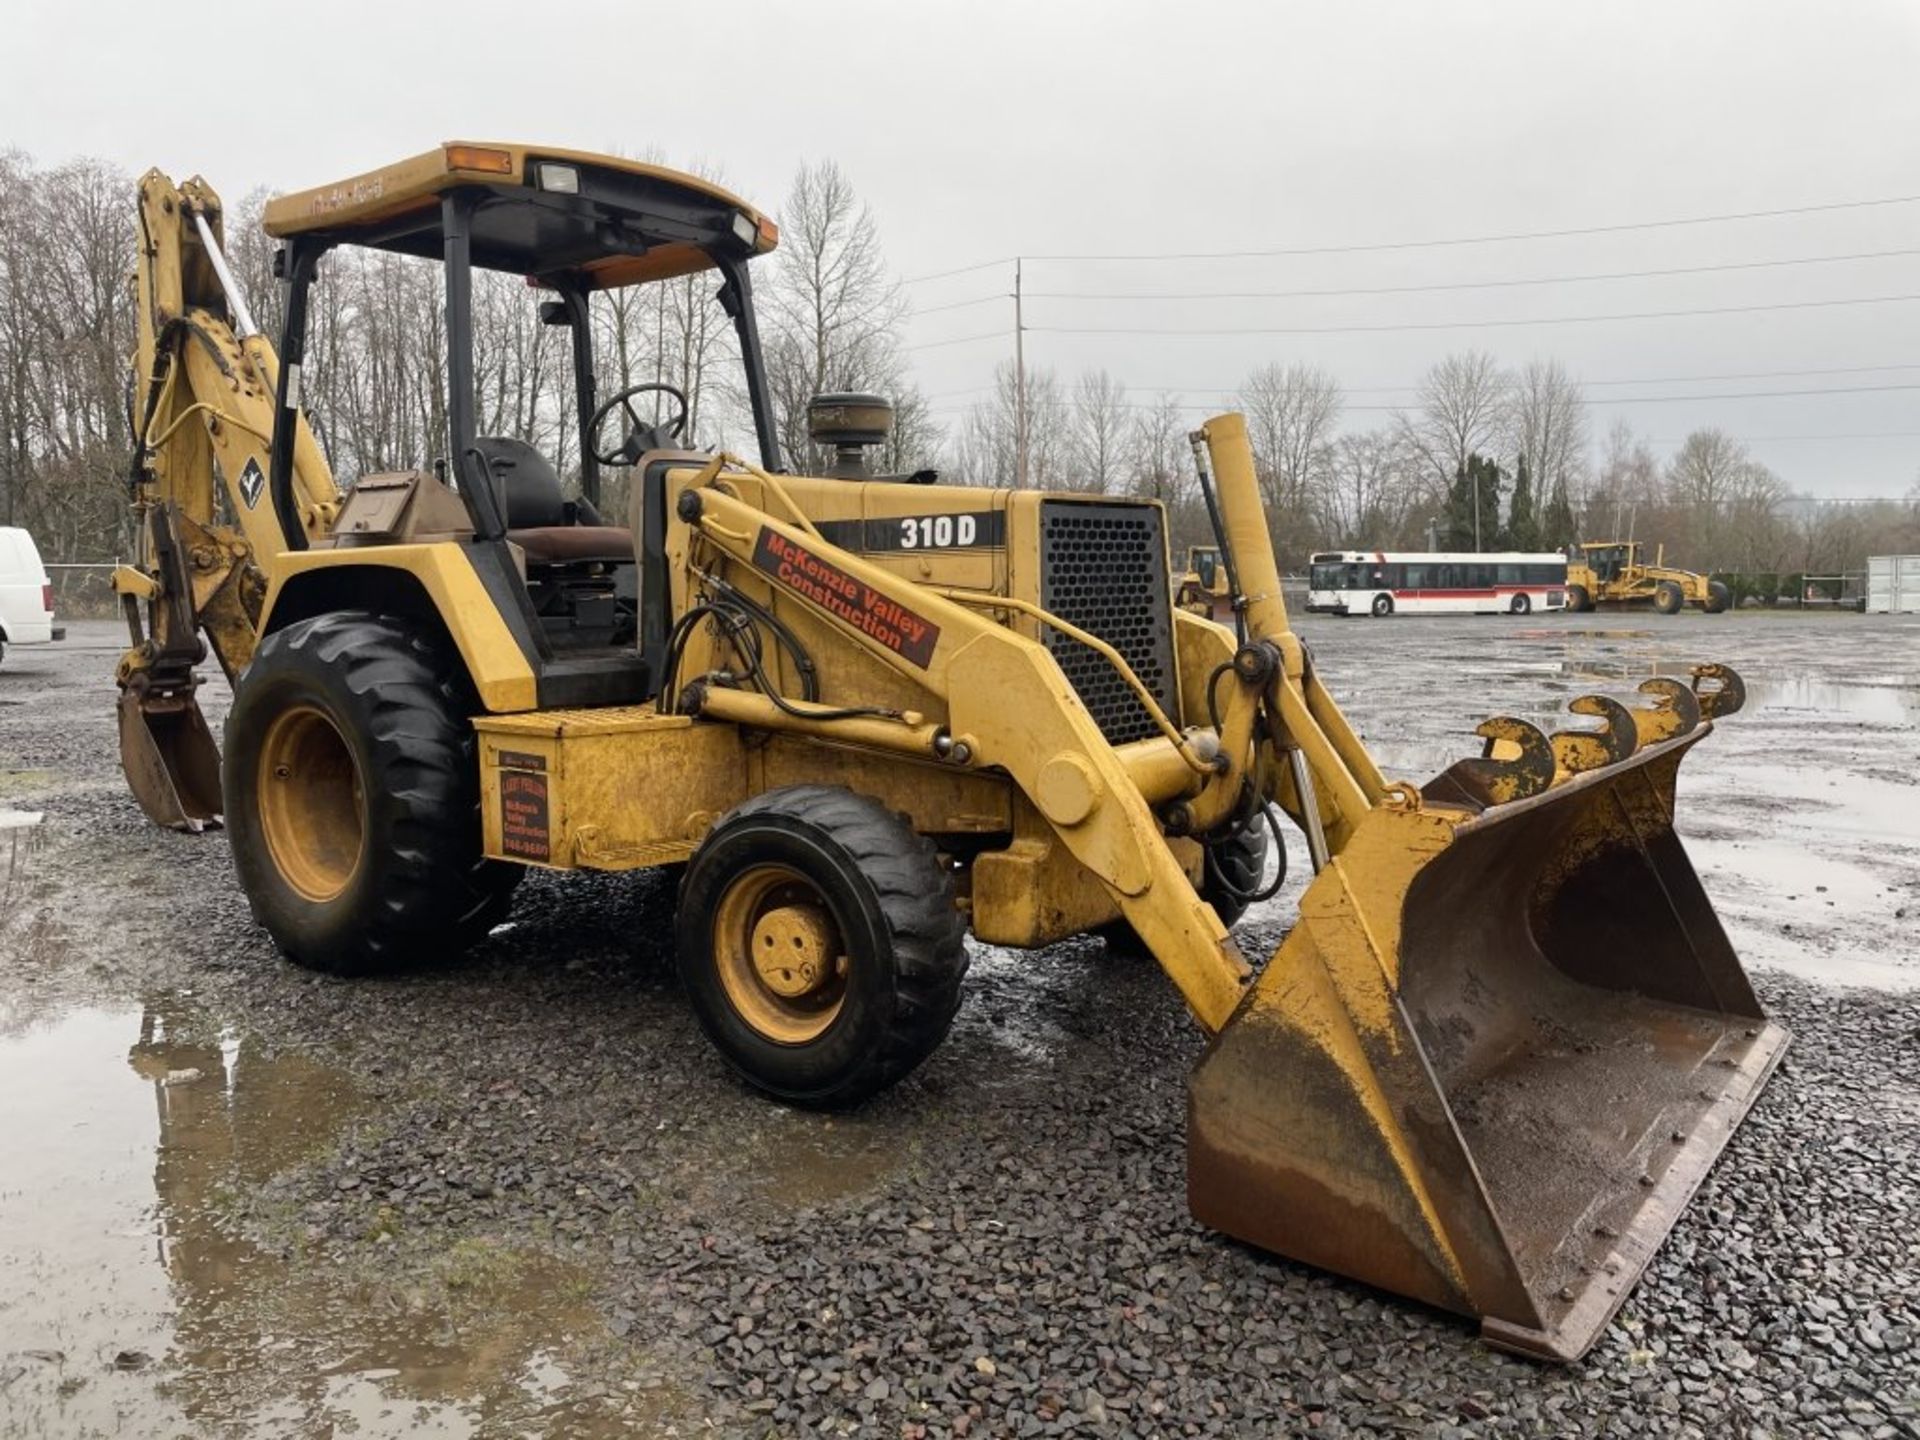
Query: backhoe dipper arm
pixel 204 381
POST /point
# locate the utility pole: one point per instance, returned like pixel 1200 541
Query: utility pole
pixel 1019 385
pixel 1473 479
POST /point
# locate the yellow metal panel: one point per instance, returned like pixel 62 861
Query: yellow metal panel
pixel 493 659
pixel 938 799
pixel 620 790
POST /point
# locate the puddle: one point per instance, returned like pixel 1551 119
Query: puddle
pixel 132 1303
pixel 808 1160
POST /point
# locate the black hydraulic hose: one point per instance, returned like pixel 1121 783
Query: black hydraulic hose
pixel 1205 471
pixel 802 662
pixel 738 619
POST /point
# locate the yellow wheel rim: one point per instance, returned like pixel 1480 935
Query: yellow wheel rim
pixel 313 809
pixel 780 955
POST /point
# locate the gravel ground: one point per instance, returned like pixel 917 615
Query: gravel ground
pixel 522 1196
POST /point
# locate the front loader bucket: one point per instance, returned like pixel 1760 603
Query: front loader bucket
pixel 171 763
pixel 1492 1061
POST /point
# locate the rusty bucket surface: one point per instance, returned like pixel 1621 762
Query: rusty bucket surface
pixel 1492 1062
pixel 171 762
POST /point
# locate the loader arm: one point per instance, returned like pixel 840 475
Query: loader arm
pixel 204 386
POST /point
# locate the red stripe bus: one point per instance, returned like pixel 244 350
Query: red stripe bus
pixel 1386 582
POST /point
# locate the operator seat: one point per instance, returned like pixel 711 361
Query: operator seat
pixel 550 528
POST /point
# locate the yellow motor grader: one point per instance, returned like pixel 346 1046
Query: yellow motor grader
pixel 1502 1043
pixel 1611 573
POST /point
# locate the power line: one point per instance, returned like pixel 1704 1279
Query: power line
pixel 1747 395
pixel 958 270
pixel 1613 229
pixel 982 300
pixel 1457 284
pixel 1230 391
pixel 959 340
pixel 1604 400
pixel 1466 324
pixel 1775 439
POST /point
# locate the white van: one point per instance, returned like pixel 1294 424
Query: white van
pixel 26 595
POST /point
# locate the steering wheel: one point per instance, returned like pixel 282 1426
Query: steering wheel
pixel 640 437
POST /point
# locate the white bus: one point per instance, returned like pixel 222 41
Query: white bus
pixel 1385 582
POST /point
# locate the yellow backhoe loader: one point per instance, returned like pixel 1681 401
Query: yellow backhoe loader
pixel 1610 572
pixel 1202 587
pixel 1500 1046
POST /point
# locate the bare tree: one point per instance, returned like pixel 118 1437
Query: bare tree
pixel 1547 424
pixel 1291 413
pixel 832 310
pixel 1098 433
pixel 1364 495
pixel 1706 469
pixel 1626 486
pixel 985 453
pixel 1160 459
pixel 917 437
pixel 1462 410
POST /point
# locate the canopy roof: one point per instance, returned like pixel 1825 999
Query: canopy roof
pixel 549 212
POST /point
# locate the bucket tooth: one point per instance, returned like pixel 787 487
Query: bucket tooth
pixel 1727 695
pixel 1516 762
pixel 1675 711
pixel 1578 751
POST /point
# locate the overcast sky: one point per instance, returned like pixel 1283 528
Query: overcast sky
pixel 982 130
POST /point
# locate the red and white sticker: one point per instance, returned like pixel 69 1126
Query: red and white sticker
pixel 847 598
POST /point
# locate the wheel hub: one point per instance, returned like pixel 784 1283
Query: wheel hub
pixel 780 954
pixel 312 804
pixel 793 949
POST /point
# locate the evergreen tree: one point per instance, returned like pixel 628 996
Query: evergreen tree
pixel 1556 523
pixel 1523 530
pixel 1482 475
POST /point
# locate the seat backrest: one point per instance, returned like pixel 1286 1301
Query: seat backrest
pixel 529 485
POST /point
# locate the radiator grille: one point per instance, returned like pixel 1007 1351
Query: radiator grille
pixel 1104 569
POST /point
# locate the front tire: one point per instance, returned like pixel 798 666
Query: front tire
pixel 1668 598
pixel 1382 606
pixel 820 944
pixel 352 797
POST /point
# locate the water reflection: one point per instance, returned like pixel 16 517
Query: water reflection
pixel 135 1303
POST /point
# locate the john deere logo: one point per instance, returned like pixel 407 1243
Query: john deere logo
pixel 252 481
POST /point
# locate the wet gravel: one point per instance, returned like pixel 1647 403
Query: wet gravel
pixel 998 1247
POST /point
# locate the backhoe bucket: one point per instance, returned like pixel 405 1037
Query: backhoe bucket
pixel 1492 1061
pixel 171 763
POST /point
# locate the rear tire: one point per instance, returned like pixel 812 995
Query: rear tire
pixel 1668 598
pixel 1578 600
pixel 862 909
pixel 1233 868
pixel 1522 604
pixel 1382 606
pixel 352 797
pixel 1718 597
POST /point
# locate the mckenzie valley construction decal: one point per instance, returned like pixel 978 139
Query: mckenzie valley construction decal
pixel 842 596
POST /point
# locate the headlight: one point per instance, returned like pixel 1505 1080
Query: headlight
pixel 560 179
